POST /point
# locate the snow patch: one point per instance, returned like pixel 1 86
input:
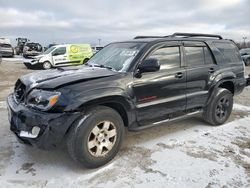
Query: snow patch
pixel 3 104
pixel 241 107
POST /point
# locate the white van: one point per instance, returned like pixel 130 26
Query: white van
pixel 61 55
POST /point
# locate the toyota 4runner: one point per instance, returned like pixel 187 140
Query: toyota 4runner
pixel 132 84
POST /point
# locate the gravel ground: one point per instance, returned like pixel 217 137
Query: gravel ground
pixel 187 153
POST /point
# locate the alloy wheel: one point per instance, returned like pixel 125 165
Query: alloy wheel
pixel 222 108
pixel 102 138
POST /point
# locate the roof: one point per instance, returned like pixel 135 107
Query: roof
pixel 65 45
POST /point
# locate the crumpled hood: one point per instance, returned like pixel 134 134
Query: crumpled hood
pixel 54 78
pixel 37 56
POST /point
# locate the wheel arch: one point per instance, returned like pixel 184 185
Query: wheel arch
pixel 226 83
pixel 118 103
pixel 229 85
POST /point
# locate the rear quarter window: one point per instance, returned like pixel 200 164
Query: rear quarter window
pixel 229 52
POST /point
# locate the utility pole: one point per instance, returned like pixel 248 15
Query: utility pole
pixel 99 42
pixel 244 38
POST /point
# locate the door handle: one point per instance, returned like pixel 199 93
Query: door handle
pixel 211 70
pixel 179 75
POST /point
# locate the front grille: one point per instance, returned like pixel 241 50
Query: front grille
pixel 19 91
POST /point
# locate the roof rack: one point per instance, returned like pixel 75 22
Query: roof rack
pixel 196 35
pixel 145 37
pixel 184 35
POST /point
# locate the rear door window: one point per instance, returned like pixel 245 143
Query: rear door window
pixel 198 55
pixel 194 56
pixel 208 57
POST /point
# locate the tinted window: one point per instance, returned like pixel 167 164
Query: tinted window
pixel 198 56
pixel 169 57
pixel 60 51
pixel 208 56
pixel 194 56
pixel 229 51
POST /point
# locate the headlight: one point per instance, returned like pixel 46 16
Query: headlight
pixel 42 100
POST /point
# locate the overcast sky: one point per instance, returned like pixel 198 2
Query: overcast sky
pixel 81 21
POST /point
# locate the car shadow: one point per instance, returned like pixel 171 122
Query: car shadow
pixel 60 158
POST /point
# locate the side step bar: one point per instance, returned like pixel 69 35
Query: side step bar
pixel 191 114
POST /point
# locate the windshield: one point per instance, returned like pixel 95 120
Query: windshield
pixel 118 56
pixel 49 50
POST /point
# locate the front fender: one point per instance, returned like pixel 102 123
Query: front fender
pixel 98 96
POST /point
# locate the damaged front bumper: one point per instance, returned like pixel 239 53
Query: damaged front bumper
pixel 40 129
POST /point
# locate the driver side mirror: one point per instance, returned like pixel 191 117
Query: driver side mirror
pixel 149 65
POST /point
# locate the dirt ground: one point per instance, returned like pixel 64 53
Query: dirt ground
pixel 187 153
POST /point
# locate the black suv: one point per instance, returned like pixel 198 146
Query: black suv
pixel 133 84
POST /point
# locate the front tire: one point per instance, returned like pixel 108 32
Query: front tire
pixel 47 65
pixel 219 109
pixel 96 138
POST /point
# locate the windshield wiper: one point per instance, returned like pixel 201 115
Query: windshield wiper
pixel 102 66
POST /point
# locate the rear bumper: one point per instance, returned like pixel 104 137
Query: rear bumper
pixel 53 126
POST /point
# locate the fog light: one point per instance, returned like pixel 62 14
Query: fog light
pixel 35 131
pixel 33 134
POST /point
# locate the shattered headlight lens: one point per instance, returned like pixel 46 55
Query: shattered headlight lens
pixel 42 100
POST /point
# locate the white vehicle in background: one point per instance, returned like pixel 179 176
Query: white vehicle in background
pixel 6 49
pixel 5 40
pixel 61 55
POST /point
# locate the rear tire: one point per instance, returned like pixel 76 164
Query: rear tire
pixel 219 109
pixel 85 60
pixel 96 138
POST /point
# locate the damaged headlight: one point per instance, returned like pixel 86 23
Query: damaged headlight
pixel 42 100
